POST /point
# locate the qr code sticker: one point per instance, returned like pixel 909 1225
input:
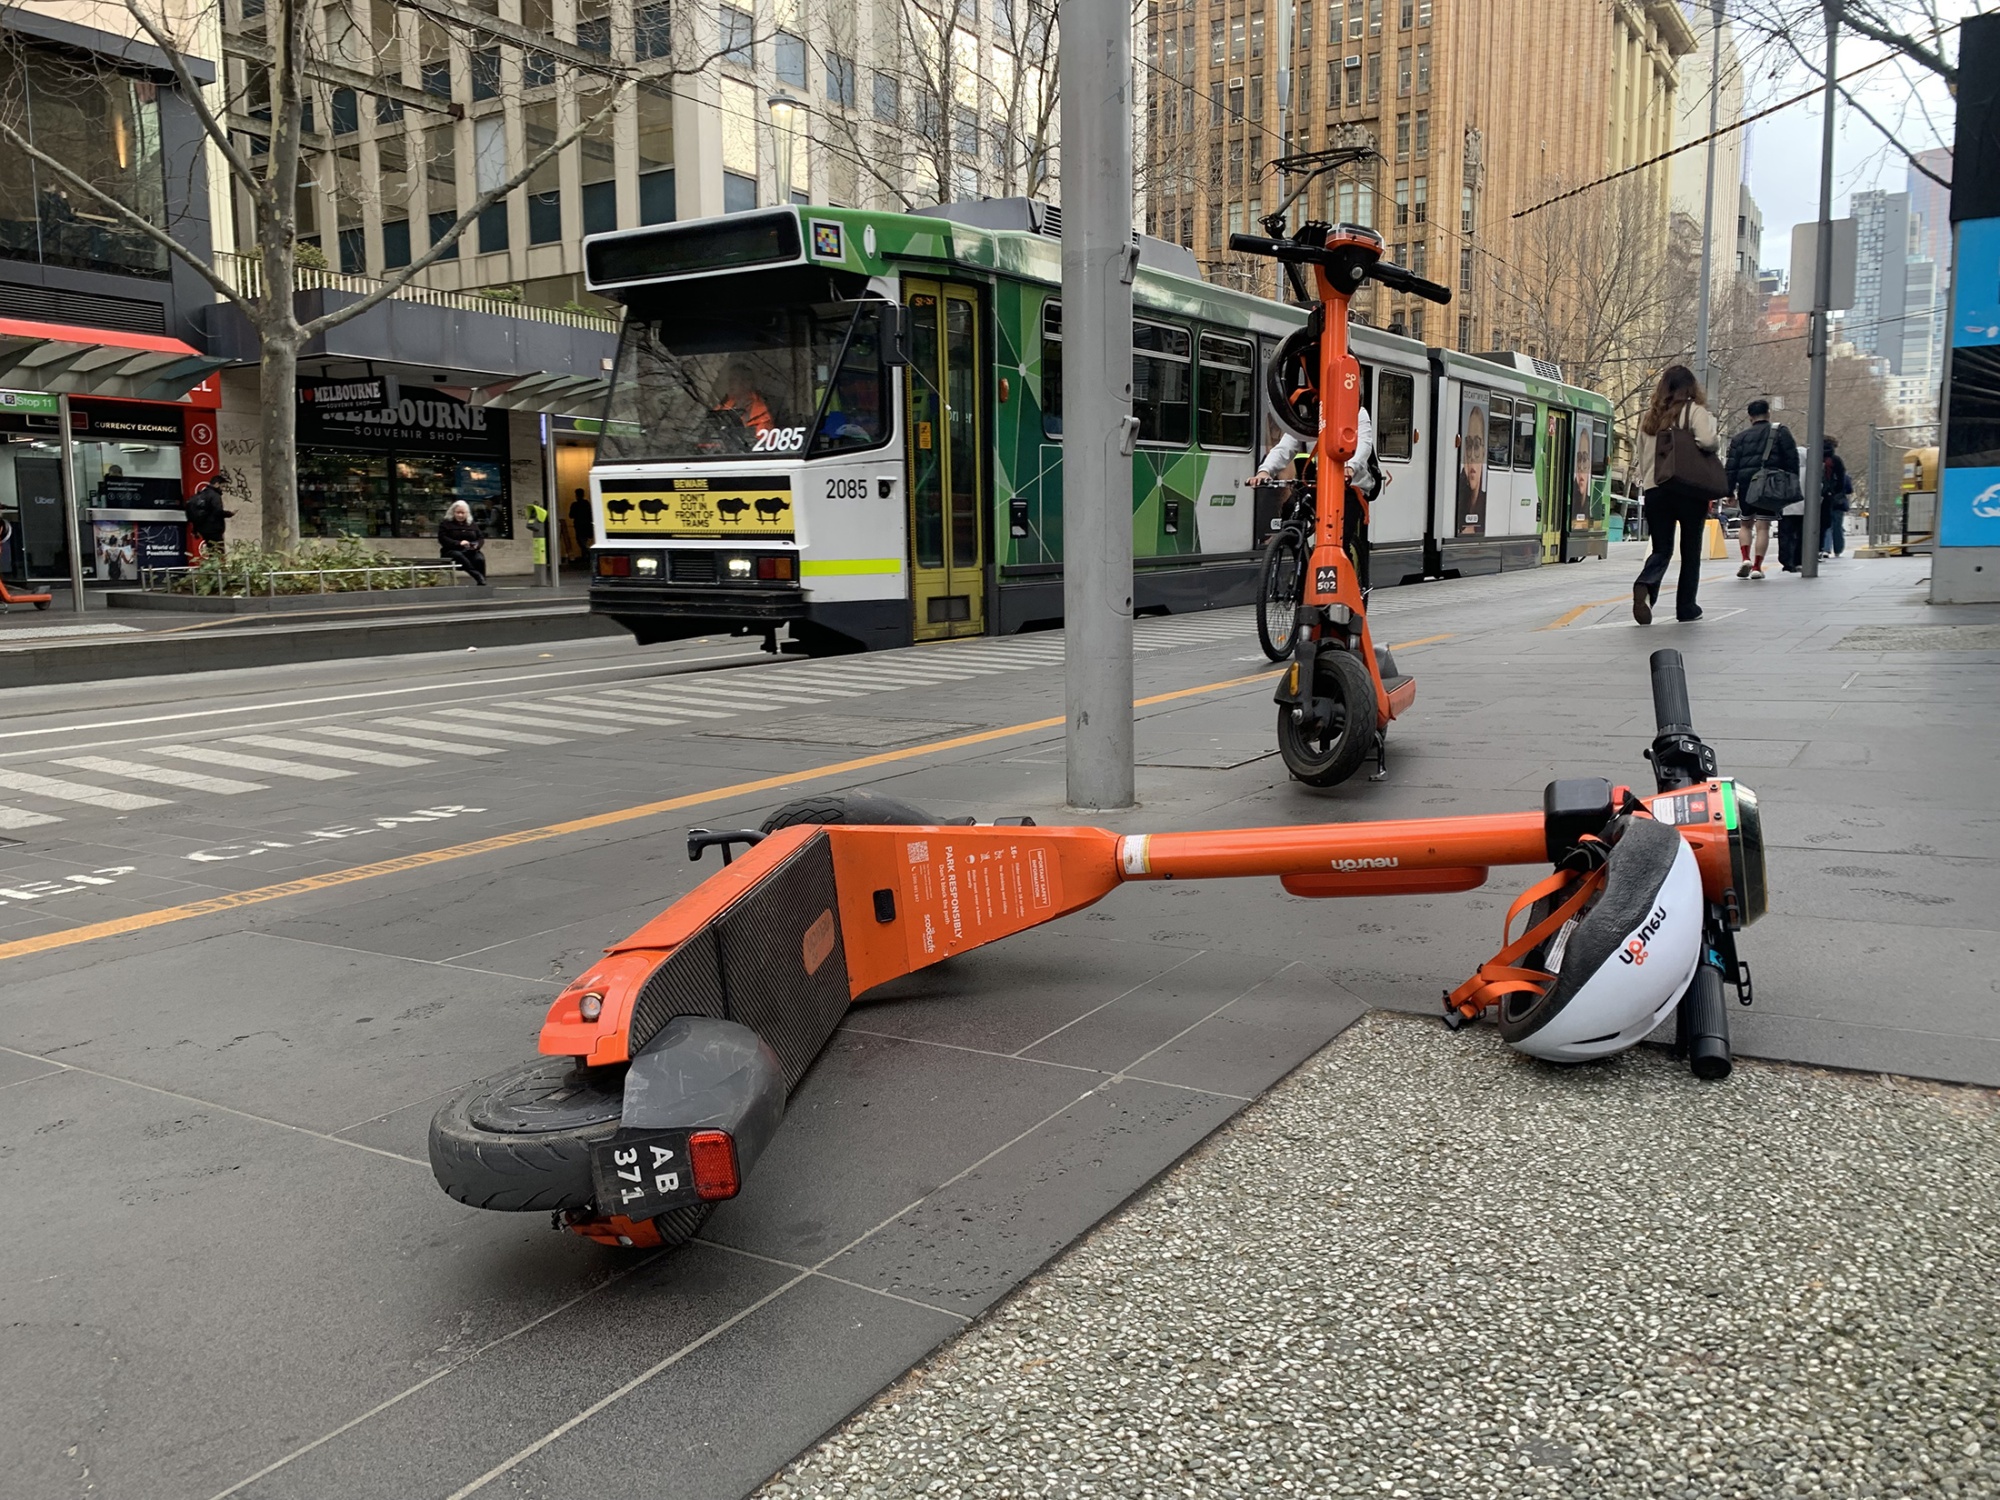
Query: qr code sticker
pixel 919 851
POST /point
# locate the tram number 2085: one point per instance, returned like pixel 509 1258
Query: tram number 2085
pixel 779 440
pixel 847 489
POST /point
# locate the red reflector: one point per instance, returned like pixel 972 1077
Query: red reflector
pixel 712 1155
pixel 767 567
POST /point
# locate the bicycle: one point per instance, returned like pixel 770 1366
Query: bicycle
pixel 1281 582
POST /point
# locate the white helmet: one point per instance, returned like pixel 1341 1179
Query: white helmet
pixel 1624 962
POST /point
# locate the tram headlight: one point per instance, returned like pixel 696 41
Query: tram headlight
pixel 646 565
pixel 739 567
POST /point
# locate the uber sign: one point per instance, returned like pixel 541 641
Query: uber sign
pixel 355 393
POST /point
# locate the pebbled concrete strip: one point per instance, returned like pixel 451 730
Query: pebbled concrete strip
pixel 1426 1266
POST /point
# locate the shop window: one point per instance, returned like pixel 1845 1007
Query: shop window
pixel 103 126
pixel 395 244
pixel 1226 380
pixel 493 227
pixel 545 217
pixel 1052 424
pixel 1395 414
pixel 1161 377
pixel 397 477
pixel 653 31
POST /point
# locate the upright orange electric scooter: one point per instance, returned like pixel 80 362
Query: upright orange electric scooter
pixel 1336 699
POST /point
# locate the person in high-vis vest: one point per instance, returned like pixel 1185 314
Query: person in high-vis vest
pixel 538 528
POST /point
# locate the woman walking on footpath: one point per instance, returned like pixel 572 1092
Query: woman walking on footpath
pixel 461 540
pixel 1677 402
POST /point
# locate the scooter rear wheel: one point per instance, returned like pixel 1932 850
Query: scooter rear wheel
pixel 1280 587
pixel 521 1140
pixel 1326 754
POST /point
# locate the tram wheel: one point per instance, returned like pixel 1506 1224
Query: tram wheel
pixel 1280 587
pixel 1327 753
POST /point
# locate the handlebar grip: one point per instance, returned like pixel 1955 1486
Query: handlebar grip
pixel 1398 279
pixel 1671 714
pixel 1254 244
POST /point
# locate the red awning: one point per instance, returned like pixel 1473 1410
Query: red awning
pixel 66 359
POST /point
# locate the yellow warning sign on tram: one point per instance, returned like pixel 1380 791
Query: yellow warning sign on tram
pixel 732 505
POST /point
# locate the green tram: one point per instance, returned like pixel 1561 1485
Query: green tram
pixel 849 425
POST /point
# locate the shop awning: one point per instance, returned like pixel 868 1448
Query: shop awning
pixel 64 359
pixel 545 391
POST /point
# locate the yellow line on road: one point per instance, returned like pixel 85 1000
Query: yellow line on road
pixel 1581 610
pixel 1429 640
pixel 140 921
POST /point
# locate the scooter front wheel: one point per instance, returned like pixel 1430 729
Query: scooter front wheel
pixel 1328 752
pixel 1280 587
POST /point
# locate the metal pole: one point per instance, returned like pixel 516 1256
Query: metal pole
pixel 1708 197
pixel 1822 294
pixel 550 500
pixel 1098 263
pixel 72 516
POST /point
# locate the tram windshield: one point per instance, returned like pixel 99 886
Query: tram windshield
pixel 766 378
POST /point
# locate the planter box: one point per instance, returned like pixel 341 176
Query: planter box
pixel 257 604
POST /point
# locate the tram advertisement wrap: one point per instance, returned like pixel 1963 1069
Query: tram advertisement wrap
pixel 731 505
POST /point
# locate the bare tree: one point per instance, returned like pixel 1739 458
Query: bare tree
pixel 260 135
pixel 942 112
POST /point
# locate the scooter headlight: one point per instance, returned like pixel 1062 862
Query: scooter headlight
pixel 1745 822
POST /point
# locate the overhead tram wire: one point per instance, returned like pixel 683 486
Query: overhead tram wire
pixel 1702 140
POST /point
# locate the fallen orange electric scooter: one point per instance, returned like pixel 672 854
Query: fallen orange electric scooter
pixel 668 1063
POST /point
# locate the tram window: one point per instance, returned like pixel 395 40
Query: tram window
pixel 1228 368
pixel 1499 428
pixel 1396 417
pixel 1052 368
pixel 1524 435
pixel 1600 445
pixel 1160 380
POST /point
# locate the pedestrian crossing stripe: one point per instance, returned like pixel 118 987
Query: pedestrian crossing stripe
pixel 410 741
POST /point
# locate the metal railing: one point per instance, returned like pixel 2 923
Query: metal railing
pixel 246 274
pixel 416 575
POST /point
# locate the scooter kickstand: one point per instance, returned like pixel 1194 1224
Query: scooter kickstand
pixel 1381 772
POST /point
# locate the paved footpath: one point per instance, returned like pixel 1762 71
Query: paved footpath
pixel 256 926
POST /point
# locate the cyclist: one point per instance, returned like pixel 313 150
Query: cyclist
pixel 1364 477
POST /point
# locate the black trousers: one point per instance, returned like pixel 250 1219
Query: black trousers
pixel 1791 536
pixel 1665 518
pixel 473 561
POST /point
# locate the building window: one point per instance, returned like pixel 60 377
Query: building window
pixel 1343 203
pixel 1402 72
pixel 791 60
pixel 353 250
pixel 1423 12
pixel 1402 202
pixel 485 75
pixel 840 75
pixel 1354 21
pixel 1402 138
pixel 346 112
pixel 1465 336
pixel 388 111
pixel 656 196
pixel 1215 226
pixel 395 244
pixel 600 207
pixel 437 79
pixel 1465 211
pixel 441 221
pixel 1422 200
pixel 1161 379
pixel 739 193
pixel 1420 257
pixel 1306 26
pixel 1374 76
pixel 1187 229
pixel 1404 10
pixel 1364 204
pixel 1236 39
pixel 493 227
pixel 1354 81
pixel 1465 270
pixel 888 98
pixel 1236 164
pixel 1215 52
pixel 593 34
pixel 545 217
pixel 104 126
pixel 538 70
pixel 1374 17
pixel 653 30
pixel 1423 67
pixel 738 31
pixel 1417 321
pixel 1257 96
pixel 1423 134
pixel 1302 83
pixel 1236 98
pixel 1257 35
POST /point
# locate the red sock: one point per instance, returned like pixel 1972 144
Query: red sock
pixel 1759 563
pixel 1746 551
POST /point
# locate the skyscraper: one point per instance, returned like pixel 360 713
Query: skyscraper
pixel 1881 259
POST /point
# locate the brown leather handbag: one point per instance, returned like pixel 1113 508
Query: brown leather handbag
pixel 1683 468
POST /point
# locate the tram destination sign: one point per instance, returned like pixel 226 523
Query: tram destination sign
pixel 351 393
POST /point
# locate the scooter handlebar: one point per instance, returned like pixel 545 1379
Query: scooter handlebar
pixel 1671 714
pixel 1390 275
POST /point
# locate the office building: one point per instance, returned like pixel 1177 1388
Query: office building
pixel 1687 173
pixel 1881 257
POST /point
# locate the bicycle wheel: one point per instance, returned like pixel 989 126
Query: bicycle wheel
pixel 1288 382
pixel 1280 587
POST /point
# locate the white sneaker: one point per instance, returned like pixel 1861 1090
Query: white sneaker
pixel 1757 574
pixel 1744 571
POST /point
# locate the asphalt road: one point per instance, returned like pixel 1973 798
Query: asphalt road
pixel 257 926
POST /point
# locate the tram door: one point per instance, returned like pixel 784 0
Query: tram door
pixel 1553 509
pixel 947 565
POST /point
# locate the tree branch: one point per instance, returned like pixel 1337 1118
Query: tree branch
pixel 137 221
pixel 449 242
pixel 1890 136
pixel 1858 19
pixel 191 91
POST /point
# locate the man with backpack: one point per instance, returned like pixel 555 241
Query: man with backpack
pixel 206 517
pixel 1763 468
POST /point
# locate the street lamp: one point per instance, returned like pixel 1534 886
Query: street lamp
pixel 784 131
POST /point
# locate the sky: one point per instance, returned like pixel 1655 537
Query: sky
pixel 1782 157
